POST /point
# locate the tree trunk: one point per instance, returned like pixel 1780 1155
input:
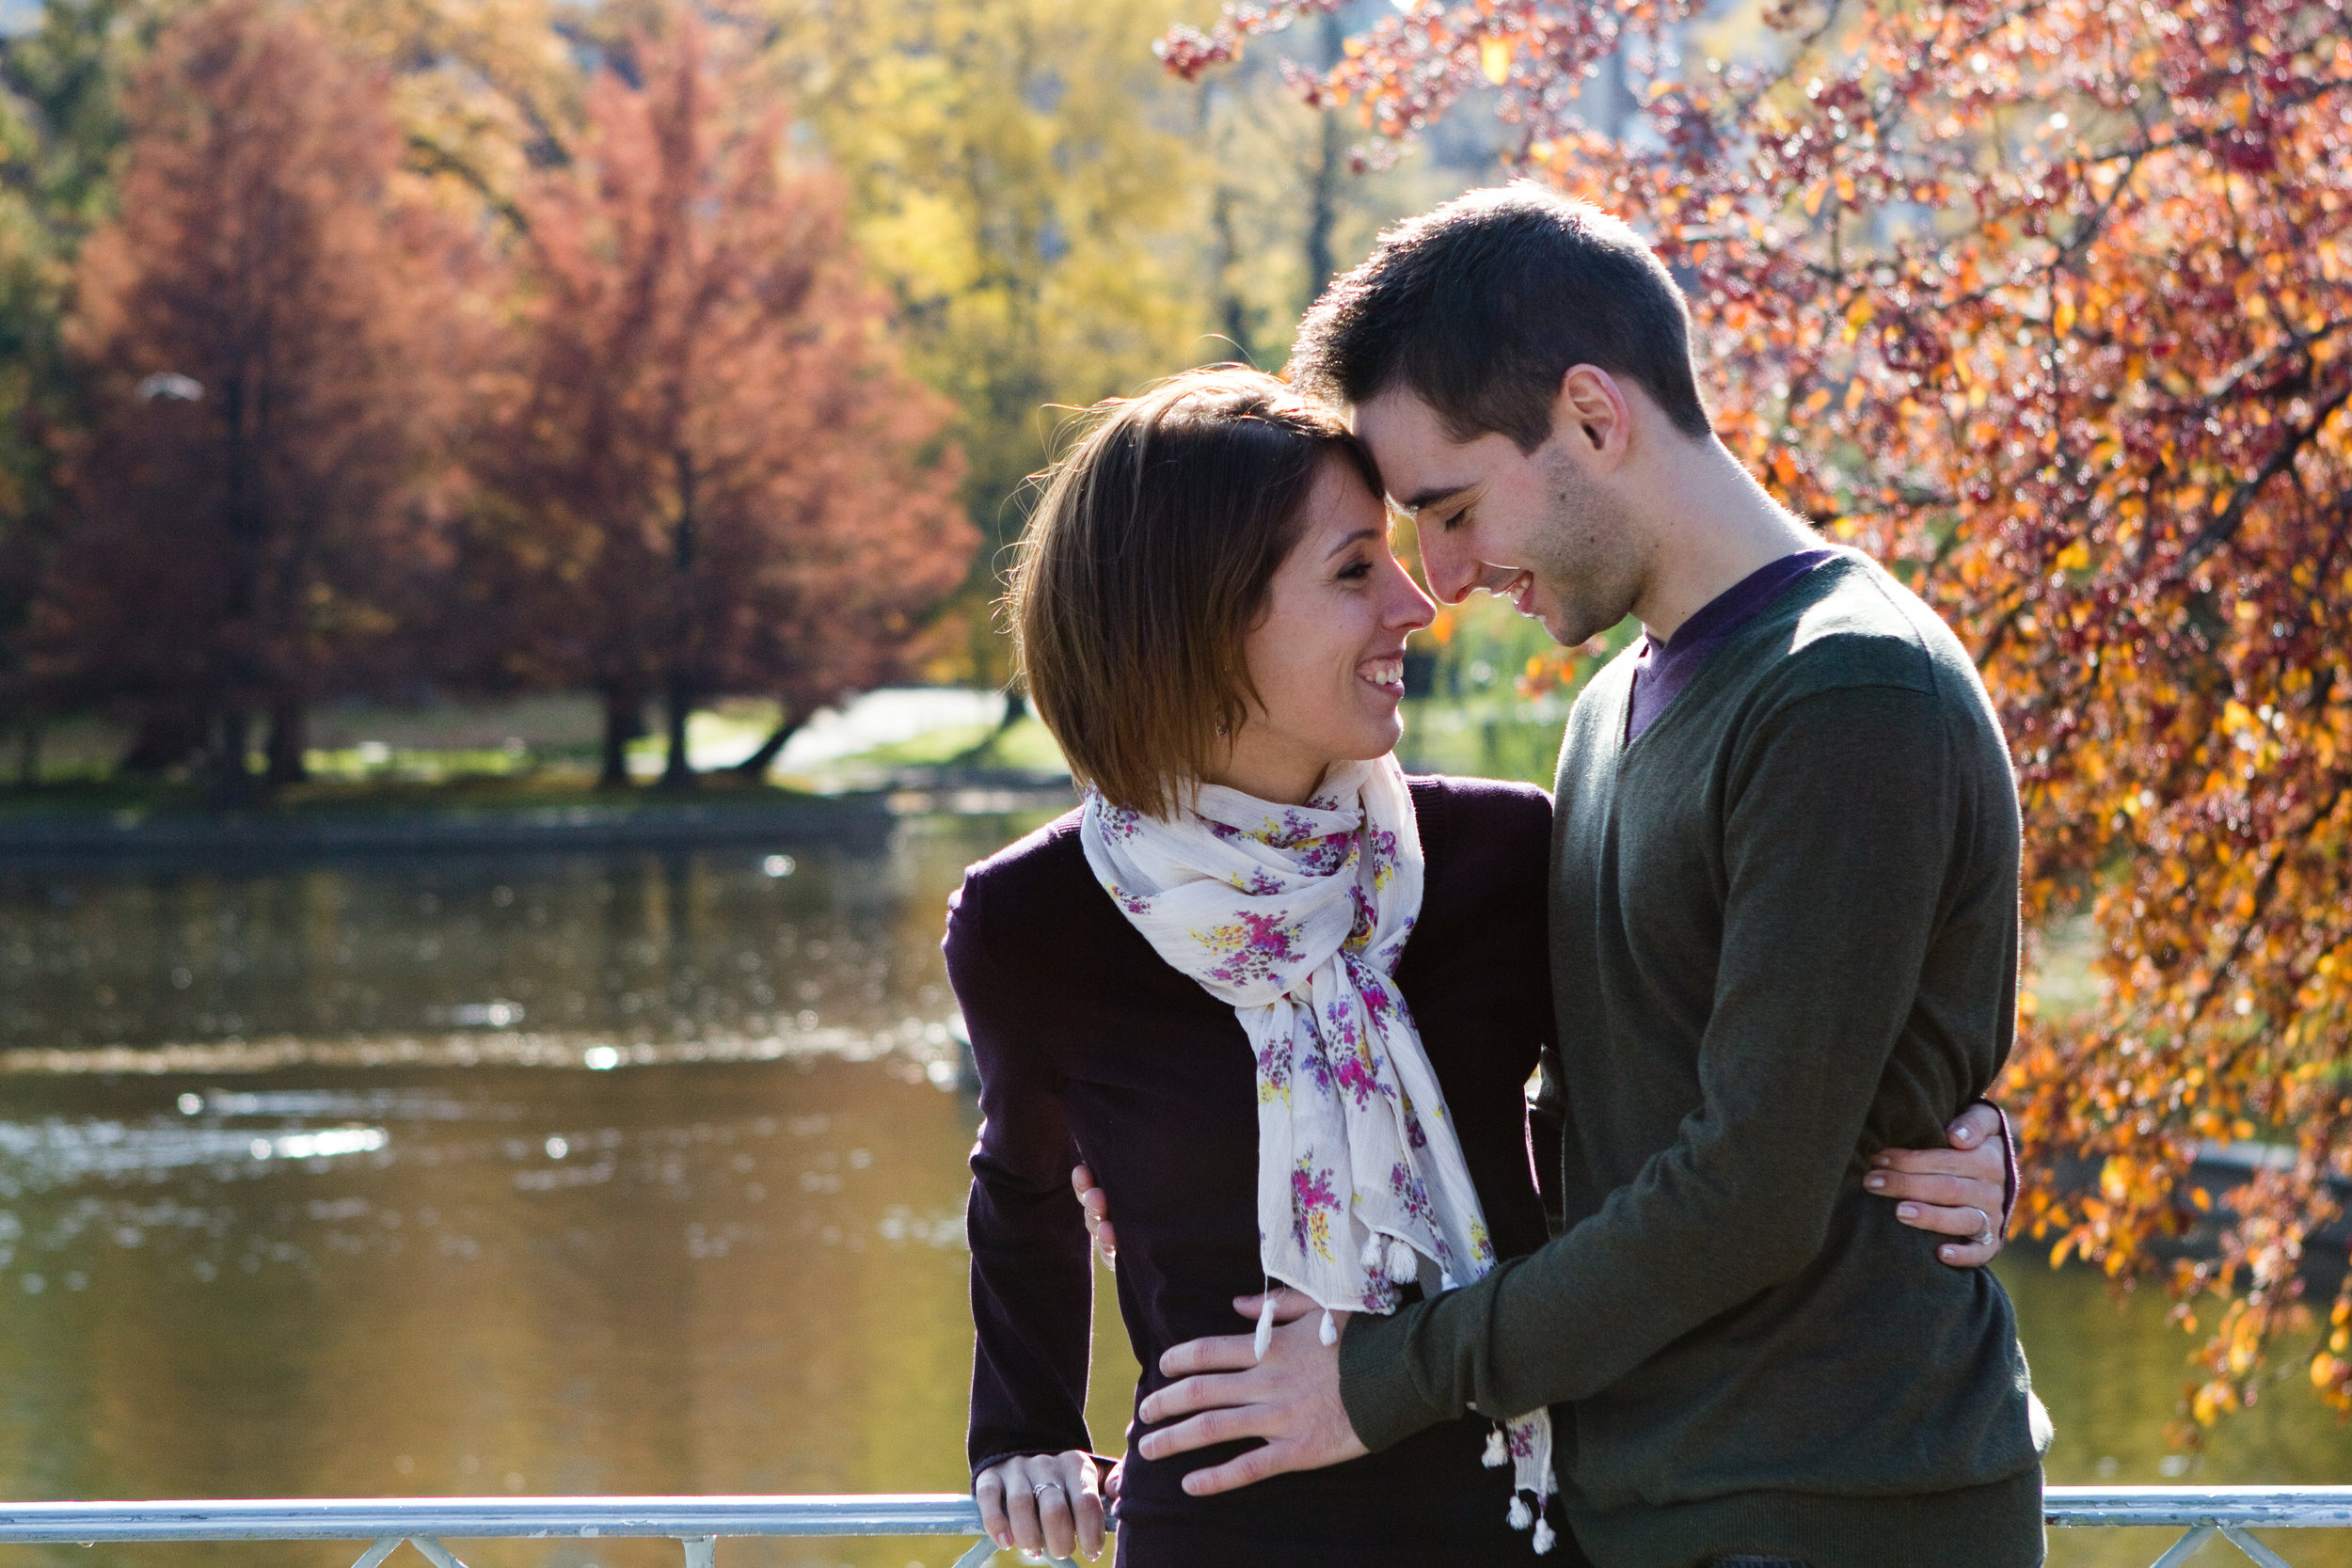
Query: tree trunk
pixel 623 717
pixel 164 739
pixel 677 772
pixel 754 767
pixel 677 705
pixel 232 735
pixel 1016 709
pixel 1323 195
pixel 1233 311
pixel 289 738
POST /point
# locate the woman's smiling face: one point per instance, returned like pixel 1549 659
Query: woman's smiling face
pixel 1327 653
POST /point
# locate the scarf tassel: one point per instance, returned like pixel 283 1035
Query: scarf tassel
pixel 1521 1516
pixel 1263 1341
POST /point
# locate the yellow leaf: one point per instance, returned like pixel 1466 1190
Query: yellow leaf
pixel 2073 557
pixel 2064 320
pixel 1813 199
pixel 1494 58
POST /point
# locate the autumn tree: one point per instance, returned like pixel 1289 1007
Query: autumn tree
pixel 264 338
pixel 61 125
pixel 1021 179
pixel 481 92
pixel 2048 304
pixel 712 475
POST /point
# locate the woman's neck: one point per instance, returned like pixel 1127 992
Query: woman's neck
pixel 1266 773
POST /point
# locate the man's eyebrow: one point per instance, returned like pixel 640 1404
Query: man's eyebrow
pixel 1422 500
pixel 1359 533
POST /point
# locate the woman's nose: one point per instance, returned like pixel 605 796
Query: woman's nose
pixel 1409 606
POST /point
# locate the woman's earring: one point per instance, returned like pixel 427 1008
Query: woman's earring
pixel 1221 731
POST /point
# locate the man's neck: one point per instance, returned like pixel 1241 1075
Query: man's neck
pixel 1711 525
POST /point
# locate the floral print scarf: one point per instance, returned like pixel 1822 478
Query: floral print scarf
pixel 1296 915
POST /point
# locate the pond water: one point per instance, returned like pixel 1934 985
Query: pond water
pixel 604 1174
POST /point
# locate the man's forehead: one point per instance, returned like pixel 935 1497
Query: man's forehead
pixel 1398 415
pixel 1418 465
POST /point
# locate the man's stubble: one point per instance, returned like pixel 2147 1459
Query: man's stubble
pixel 1588 556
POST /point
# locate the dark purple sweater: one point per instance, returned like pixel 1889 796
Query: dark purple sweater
pixel 1091 1047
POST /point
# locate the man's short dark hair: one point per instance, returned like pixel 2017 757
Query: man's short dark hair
pixel 1481 307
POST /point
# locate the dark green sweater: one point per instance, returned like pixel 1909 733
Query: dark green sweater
pixel 1784 937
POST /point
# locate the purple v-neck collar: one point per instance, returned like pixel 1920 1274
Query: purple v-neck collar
pixel 1661 671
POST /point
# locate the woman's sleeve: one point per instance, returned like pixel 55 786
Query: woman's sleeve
pixel 1032 1271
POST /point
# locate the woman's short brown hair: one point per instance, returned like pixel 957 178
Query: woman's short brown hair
pixel 1147 562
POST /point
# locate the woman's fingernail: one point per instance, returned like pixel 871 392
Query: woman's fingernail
pixel 1875 1182
pixel 1907 1211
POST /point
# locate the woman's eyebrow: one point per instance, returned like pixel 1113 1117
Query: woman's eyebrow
pixel 1359 533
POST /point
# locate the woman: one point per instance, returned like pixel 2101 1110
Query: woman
pixel 1280 999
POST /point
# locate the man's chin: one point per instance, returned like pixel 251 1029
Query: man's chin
pixel 1568 634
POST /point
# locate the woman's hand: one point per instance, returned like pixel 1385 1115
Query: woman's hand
pixel 1098 1212
pixel 1049 1502
pixel 1959 1192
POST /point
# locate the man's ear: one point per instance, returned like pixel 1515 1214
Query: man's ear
pixel 1592 417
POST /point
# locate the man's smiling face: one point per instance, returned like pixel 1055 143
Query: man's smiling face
pixel 1539 529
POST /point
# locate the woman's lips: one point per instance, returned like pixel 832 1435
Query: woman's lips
pixel 1387 674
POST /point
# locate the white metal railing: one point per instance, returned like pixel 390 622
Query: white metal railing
pixel 698 1522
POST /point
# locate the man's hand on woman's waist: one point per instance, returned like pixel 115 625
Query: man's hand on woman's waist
pixel 1291 1399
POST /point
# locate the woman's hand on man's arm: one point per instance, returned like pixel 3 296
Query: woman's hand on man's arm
pixel 1049 1502
pixel 1098 1212
pixel 1961 1191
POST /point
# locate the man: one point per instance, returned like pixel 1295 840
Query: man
pixel 1783 939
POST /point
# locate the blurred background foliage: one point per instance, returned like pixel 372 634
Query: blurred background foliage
pixel 1037 214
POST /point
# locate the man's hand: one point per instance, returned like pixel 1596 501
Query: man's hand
pixel 1291 1399
pixel 1098 1212
pixel 1049 1502
pixel 1957 1192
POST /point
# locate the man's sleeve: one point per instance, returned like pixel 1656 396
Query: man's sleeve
pixel 1838 833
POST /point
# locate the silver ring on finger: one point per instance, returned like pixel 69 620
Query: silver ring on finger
pixel 1985 1236
pixel 1045 1486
